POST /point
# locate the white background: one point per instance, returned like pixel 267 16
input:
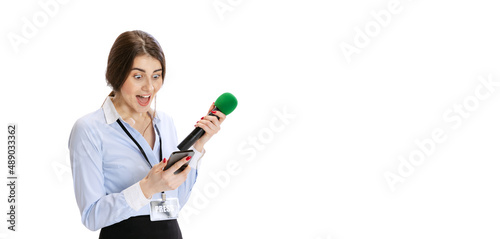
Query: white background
pixel 318 174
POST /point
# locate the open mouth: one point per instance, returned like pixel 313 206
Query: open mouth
pixel 143 100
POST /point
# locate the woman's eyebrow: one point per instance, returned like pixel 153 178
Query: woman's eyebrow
pixel 139 69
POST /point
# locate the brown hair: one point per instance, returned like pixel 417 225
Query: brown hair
pixel 127 46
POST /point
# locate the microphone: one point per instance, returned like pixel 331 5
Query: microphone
pixel 226 103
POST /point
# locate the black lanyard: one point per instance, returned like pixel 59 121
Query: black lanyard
pixel 139 146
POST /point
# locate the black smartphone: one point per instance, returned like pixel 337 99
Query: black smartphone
pixel 176 156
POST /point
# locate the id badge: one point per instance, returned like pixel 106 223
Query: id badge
pixel 164 209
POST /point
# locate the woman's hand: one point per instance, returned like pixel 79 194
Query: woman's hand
pixel 158 180
pixel 211 125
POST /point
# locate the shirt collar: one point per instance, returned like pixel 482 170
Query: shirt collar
pixel 112 115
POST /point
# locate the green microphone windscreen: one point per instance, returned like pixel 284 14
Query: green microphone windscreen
pixel 226 103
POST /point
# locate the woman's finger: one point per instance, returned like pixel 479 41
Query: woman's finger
pixel 212 119
pixel 177 165
pixel 208 126
pixel 211 108
pixel 221 115
pixel 159 166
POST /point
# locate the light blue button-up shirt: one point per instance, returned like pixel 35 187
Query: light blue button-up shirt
pixel 107 166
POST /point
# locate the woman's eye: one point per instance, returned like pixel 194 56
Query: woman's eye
pixel 156 76
pixel 137 76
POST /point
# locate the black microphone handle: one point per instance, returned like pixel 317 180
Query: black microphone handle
pixel 193 136
pixel 191 139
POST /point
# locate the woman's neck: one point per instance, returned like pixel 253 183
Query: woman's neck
pixel 128 114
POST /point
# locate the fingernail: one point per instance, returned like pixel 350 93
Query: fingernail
pixel 203 117
pixel 164 160
pixel 188 158
pixel 197 121
pixel 213 112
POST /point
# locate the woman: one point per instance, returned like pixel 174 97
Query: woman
pixel 119 151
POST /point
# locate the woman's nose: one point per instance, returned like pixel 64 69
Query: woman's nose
pixel 148 85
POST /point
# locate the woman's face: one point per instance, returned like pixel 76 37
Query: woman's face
pixel 142 83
